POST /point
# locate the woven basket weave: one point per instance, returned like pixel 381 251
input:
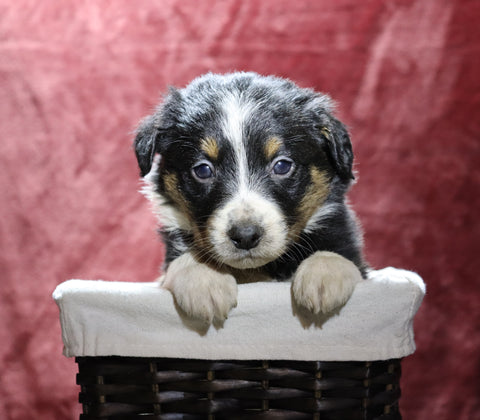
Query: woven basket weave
pixel 116 388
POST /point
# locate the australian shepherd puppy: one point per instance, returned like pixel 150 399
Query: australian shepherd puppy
pixel 248 176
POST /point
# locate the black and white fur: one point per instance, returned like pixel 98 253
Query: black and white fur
pixel 248 176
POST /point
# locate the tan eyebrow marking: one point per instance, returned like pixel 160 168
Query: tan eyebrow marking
pixel 326 132
pixel 272 146
pixel 210 146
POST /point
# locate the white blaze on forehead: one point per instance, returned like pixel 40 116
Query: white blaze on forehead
pixel 247 203
pixel 236 114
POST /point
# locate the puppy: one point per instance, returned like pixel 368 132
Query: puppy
pixel 248 176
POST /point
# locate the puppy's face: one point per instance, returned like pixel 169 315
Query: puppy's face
pixel 245 165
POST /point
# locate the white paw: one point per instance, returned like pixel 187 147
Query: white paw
pixel 324 281
pixel 201 292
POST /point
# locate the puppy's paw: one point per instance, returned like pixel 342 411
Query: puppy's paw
pixel 324 282
pixel 201 292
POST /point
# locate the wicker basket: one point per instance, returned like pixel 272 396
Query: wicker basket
pixel 158 388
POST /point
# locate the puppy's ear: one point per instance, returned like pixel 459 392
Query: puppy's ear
pixel 338 147
pixel 150 136
pixel 145 144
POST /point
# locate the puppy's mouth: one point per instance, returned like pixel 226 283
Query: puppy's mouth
pixel 247 261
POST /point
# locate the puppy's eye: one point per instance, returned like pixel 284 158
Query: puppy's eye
pixel 203 171
pixel 282 166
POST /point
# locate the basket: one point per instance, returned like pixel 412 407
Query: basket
pixel 138 359
pixel 116 388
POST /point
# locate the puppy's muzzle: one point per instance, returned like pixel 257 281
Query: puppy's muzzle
pixel 248 231
pixel 245 235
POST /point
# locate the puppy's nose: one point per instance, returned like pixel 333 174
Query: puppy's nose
pixel 245 236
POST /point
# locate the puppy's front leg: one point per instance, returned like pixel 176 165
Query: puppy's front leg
pixel 324 281
pixel 201 292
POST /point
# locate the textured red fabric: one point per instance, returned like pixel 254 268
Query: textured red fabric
pixel 77 76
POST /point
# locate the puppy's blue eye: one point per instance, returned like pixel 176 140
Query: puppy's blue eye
pixel 203 171
pixel 282 167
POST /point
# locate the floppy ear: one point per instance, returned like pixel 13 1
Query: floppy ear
pixel 149 139
pixel 145 144
pixel 338 148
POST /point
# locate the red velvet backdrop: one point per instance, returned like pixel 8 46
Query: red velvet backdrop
pixel 77 76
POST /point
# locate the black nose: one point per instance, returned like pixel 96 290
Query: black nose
pixel 245 236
